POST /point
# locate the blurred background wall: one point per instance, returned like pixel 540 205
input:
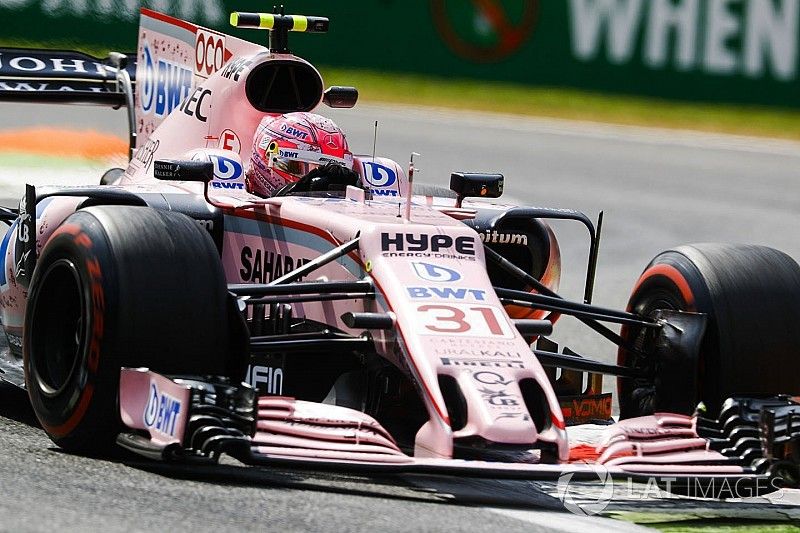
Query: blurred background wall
pixel 732 51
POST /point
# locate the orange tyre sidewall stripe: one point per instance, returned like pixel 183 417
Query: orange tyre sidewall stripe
pixel 87 393
pixel 77 415
pixel 672 274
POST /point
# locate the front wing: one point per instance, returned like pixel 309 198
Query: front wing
pixel 753 443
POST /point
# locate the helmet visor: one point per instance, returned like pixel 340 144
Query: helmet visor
pixel 295 167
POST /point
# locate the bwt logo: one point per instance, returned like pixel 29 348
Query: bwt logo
pixel 226 185
pixel 226 169
pixel 293 132
pixel 379 175
pixel 162 412
pixel 165 84
pixel 435 273
pixel 446 293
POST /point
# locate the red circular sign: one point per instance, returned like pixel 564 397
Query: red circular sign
pixel 510 29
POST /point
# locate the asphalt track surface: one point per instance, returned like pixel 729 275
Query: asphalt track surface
pixel 658 189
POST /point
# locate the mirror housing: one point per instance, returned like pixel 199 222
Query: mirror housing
pixel 475 185
pixel 188 170
pixel 339 97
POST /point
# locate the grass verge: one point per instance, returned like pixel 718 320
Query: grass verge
pixel 724 526
pixel 678 522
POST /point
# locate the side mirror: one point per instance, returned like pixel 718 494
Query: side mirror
pixel 339 97
pixel 475 185
pixel 173 170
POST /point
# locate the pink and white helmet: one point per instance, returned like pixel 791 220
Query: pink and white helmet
pixel 287 147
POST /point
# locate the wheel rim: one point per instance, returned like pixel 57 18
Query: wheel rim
pixel 642 391
pixel 61 323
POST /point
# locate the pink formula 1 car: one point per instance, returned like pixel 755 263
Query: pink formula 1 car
pixel 359 324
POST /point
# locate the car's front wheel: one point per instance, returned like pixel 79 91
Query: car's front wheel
pixel 118 286
pixel 751 295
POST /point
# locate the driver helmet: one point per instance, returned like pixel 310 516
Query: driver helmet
pixel 287 147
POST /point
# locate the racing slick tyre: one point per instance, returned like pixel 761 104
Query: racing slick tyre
pixel 751 295
pixel 118 286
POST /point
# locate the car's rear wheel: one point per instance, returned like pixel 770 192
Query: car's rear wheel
pixel 118 286
pixel 751 295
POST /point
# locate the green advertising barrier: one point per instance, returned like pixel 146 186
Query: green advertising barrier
pixel 733 51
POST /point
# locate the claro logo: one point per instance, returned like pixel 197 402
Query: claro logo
pixel 210 53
